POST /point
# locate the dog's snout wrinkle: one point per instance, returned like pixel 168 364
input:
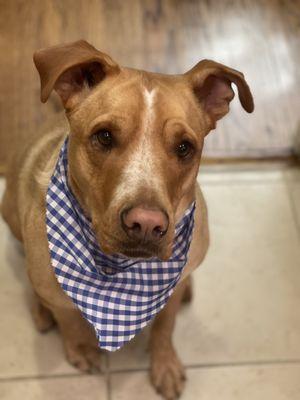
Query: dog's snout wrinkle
pixel 144 224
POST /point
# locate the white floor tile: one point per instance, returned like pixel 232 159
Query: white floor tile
pixel 221 383
pixel 247 290
pixel 75 388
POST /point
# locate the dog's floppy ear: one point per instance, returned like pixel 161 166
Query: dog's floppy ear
pixel 71 69
pixel 211 83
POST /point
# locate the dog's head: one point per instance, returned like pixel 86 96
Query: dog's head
pixel 135 140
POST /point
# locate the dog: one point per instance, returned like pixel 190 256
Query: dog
pixel 134 148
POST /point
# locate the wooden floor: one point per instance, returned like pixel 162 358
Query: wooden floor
pixel 259 37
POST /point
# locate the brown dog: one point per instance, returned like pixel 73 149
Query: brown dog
pixel 135 142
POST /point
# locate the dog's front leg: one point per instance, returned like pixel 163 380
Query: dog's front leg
pixel 79 339
pixel 167 372
pixel 78 336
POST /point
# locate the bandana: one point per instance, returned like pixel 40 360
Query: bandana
pixel 116 294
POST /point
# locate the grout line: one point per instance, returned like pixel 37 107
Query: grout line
pixel 218 365
pixel 78 374
pixel 244 364
pixel 144 369
pixel 46 377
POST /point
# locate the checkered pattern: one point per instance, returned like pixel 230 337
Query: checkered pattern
pixel 117 295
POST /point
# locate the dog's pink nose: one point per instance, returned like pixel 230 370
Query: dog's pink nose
pixel 145 224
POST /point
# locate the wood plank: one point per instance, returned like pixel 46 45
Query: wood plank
pixel 259 37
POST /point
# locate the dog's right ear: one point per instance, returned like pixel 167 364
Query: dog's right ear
pixel 211 83
pixel 72 70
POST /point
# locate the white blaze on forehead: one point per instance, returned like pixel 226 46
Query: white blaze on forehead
pixel 140 169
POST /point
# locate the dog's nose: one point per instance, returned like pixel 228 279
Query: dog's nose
pixel 142 223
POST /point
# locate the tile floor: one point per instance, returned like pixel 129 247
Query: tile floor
pixel 240 337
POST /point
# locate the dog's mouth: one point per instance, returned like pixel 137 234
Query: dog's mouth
pixel 138 253
pixel 162 250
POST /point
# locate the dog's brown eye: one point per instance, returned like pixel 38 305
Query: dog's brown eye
pixel 104 138
pixel 184 149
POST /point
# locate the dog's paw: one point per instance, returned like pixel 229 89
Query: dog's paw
pixel 167 373
pixel 86 358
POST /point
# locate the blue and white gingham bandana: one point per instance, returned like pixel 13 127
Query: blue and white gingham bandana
pixel 116 294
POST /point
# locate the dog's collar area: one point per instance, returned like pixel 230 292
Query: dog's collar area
pixel 116 294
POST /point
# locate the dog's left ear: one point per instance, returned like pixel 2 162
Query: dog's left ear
pixel 72 70
pixel 211 83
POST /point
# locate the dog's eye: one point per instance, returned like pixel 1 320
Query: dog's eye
pixel 184 149
pixel 104 138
